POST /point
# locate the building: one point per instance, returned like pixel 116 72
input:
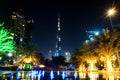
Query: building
pixel 20 27
pixel 90 35
pixel 21 30
pixel 58 38
pixel 67 56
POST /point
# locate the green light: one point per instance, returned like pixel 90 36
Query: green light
pixel 6 44
pixel 27 66
pixel 1 24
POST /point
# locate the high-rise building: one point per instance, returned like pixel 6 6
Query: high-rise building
pixel 21 30
pixel 67 56
pixel 20 27
pixel 50 55
pixel 58 38
pixel 28 29
pixel 90 35
pixel 16 23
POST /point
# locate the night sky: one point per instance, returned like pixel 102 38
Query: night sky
pixel 76 17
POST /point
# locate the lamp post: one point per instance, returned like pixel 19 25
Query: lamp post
pixel 111 12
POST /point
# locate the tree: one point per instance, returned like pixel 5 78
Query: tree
pixel 90 55
pixel 30 55
pixel 107 44
pixel 104 46
pixel 76 58
pixel 85 54
pixel 6 42
pixel 58 61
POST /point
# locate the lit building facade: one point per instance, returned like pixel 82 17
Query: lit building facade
pixel 20 27
pixel 90 35
pixel 67 56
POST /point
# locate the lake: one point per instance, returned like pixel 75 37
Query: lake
pixel 57 75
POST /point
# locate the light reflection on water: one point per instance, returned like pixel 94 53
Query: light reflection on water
pixel 51 75
pixel 62 75
pixel 93 76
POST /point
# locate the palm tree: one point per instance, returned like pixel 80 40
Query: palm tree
pixel 89 55
pixel 107 44
pixel 29 55
pixel 58 61
pixel 77 60
pixel 85 54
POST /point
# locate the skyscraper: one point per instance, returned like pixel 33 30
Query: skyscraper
pixel 91 35
pixel 58 38
pixel 20 27
pixel 16 23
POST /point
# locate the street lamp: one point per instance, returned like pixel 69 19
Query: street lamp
pixel 111 12
pixel 10 54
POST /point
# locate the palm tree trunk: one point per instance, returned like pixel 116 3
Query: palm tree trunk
pixel 82 68
pixel 92 66
pixel 118 59
pixel 109 65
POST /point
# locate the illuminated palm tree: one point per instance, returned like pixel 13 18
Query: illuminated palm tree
pixel 29 55
pixel 107 44
pixel 86 54
pixel 89 55
pixel 78 61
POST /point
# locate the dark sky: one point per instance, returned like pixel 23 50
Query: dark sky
pixel 77 16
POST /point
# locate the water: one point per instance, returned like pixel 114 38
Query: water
pixel 58 75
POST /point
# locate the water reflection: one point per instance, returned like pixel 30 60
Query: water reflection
pixel 62 75
pixel 93 76
pixel 51 75
pixel 82 75
pixel 58 73
pixel 75 74
pixel 111 76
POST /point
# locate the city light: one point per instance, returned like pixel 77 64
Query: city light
pixel 10 54
pixel 111 12
pixel 96 33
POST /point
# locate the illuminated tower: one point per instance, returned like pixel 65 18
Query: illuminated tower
pixel 58 38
